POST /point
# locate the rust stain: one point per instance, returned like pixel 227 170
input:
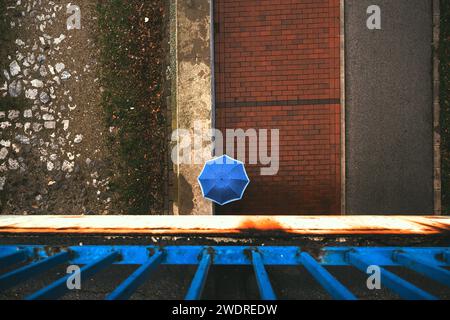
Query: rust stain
pixel 439 227
pixel 261 225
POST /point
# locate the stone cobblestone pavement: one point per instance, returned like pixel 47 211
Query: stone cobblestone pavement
pixel 53 154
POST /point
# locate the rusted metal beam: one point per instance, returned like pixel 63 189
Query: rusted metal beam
pixel 173 225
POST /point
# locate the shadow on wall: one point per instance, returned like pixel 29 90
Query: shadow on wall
pixel 186 196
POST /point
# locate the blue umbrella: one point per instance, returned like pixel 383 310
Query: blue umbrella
pixel 223 180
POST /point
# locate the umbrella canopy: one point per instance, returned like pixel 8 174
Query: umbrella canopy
pixel 223 180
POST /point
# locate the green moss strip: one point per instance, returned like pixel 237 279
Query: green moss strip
pixel 7 47
pixel 130 39
pixel 444 55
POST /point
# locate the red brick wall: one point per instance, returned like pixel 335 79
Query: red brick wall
pixel 277 66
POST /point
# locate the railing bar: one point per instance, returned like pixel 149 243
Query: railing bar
pixel 420 265
pixel 13 258
pixel 447 256
pixel 59 287
pixel 17 276
pixel 262 278
pixel 199 280
pixel 402 287
pixel 336 289
pixel 126 289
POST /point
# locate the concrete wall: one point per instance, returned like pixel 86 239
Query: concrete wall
pixel 389 111
pixel 193 96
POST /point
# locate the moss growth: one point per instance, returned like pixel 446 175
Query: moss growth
pixel 130 38
pixel 6 35
pixel 7 38
pixel 444 55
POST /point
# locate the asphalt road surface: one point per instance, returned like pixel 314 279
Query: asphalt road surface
pixel 389 108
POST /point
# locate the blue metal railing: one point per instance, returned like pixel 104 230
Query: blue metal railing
pixel 428 262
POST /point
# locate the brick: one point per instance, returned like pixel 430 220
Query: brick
pixel 275 51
